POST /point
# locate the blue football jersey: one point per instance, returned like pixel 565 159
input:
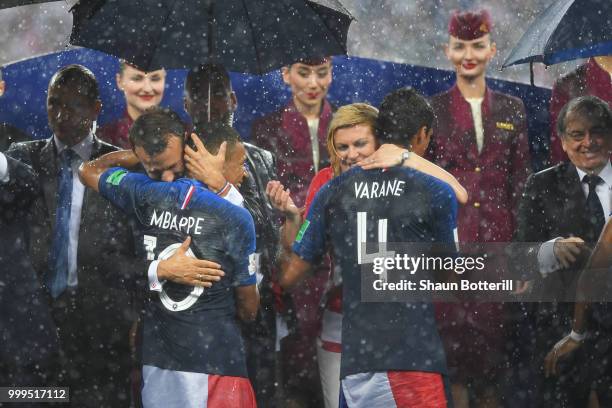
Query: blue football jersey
pixel 188 328
pixel 398 205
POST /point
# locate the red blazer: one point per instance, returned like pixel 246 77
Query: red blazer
pixel 587 79
pixel 494 178
pixel 285 133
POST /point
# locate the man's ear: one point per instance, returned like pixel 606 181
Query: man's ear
pixel 420 141
pixel 233 102
pixel 2 87
pixel 285 74
pixel 97 108
pixel 186 106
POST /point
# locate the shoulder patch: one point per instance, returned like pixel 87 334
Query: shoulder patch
pixel 302 231
pixel 116 176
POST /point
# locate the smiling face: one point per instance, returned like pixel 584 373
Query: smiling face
pixel 309 83
pixel 587 142
pixel 142 90
pixel 353 144
pixel 470 58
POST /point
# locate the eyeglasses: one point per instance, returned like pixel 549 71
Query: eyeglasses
pixel 595 133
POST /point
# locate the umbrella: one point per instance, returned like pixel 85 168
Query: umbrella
pixel 565 31
pixel 14 3
pixel 252 36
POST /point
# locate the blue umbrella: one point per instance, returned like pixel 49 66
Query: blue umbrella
pixel 565 31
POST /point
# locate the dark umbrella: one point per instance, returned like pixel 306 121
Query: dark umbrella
pixel 566 30
pixel 14 3
pixel 252 36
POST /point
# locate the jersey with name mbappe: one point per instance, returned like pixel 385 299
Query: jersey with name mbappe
pixel 412 207
pixel 188 328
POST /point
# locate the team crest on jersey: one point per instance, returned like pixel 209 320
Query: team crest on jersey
pixel 116 176
pixel 302 231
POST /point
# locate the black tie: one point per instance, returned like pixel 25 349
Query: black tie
pixel 594 208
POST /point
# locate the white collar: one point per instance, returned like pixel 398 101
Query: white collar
pixel 605 174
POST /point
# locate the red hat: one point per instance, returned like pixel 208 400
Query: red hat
pixel 469 25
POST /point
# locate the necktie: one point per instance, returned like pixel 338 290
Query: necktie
pixel 595 210
pixel 57 276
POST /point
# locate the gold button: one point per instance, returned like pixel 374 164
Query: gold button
pixel 477 169
pixel 477 204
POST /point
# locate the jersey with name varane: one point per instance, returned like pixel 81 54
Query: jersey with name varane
pixel 396 205
pixel 188 328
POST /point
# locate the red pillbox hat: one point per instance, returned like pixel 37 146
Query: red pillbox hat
pixel 468 25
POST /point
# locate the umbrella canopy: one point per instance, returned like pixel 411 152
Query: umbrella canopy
pixel 253 36
pixel 14 3
pixel 565 31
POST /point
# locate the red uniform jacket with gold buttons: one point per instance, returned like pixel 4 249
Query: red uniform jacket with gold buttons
pixel 494 178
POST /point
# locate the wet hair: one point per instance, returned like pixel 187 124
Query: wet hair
pixel 198 79
pixel 588 107
pixel 154 127
pixel 348 116
pixel 214 134
pixel 80 75
pixel 402 113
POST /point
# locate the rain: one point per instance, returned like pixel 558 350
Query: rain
pixel 207 203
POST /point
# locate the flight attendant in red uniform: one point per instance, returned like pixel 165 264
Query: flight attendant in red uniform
pixel 480 136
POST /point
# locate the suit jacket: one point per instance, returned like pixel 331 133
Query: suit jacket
pixel 29 338
pixel 285 134
pixel 553 205
pixel 94 320
pixel 494 178
pixel 10 134
pixel 588 79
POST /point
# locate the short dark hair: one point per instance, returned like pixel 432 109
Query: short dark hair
pixel 401 114
pixel 214 133
pixel 590 107
pixel 79 74
pixel 200 77
pixel 154 127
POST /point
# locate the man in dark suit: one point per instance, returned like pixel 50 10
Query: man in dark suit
pixel 213 80
pixel 563 210
pixel 29 338
pixel 9 133
pixel 80 247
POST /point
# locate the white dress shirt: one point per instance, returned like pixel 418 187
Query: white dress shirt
pixel 476 106
pixel 546 257
pixel 83 151
pixel 3 169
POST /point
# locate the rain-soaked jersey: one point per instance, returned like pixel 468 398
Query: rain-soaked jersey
pixel 188 328
pixel 403 205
